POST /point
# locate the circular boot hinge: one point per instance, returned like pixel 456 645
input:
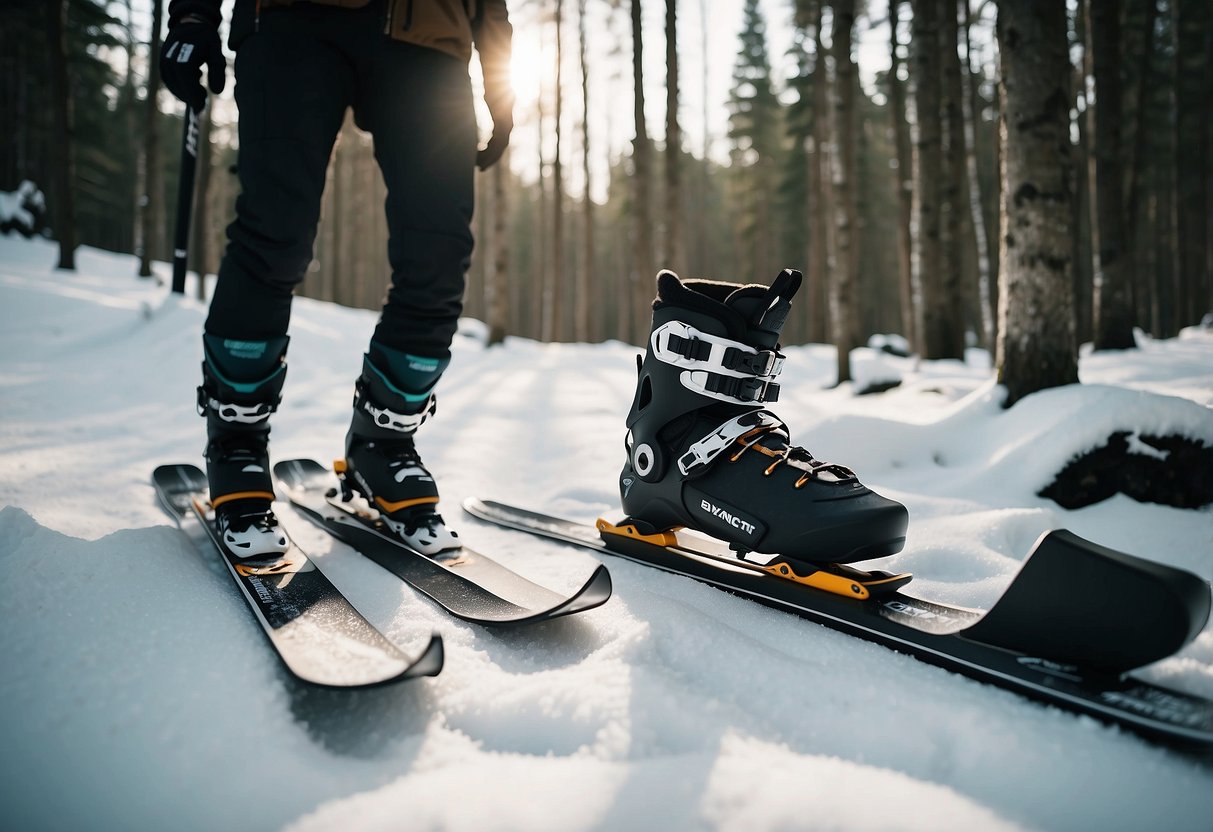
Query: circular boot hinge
pixel 643 459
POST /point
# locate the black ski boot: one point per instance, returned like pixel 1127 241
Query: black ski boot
pixel 241 387
pixel 704 454
pixel 381 462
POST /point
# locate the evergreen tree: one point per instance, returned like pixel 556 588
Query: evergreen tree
pixel 754 133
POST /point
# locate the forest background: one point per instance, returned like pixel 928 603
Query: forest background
pixel 1021 176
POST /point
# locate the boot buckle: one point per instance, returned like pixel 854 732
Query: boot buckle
pixel 709 447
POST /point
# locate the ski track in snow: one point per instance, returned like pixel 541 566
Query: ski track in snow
pixel 137 694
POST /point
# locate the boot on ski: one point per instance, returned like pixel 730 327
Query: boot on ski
pixel 704 453
pixel 241 387
pixel 381 460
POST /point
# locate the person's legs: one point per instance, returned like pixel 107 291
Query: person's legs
pixel 417 104
pixel 292 88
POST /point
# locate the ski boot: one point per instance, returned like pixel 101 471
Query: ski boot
pixel 241 387
pixel 704 454
pixel 381 462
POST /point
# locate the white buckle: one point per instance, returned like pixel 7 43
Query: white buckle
pixel 709 447
pixel 403 422
pixel 244 414
pixel 770 361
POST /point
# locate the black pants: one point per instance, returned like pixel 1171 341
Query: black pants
pixel 295 77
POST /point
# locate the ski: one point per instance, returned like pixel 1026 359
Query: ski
pixel 1075 619
pixel 315 630
pixel 464 582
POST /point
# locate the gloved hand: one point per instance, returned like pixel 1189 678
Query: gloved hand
pixel 487 156
pixel 188 45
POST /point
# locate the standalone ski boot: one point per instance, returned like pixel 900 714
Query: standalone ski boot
pixel 704 454
pixel 241 387
pixel 381 462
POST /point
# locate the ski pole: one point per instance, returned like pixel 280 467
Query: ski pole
pixel 185 198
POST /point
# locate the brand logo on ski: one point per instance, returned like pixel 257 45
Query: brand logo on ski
pixel 262 593
pixel 727 517
pixel 915 612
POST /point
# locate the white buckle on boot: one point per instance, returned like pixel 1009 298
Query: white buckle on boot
pixel 725 356
pixel 403 422
pixel 709 447
pixel 244 414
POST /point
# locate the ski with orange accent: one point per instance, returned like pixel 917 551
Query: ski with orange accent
pixel 316 632
pixel 1073 622
pixel 465 583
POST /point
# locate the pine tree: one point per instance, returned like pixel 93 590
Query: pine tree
pixel 754 116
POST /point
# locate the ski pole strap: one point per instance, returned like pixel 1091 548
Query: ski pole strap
pixel 383 417
pixel 684 346
pixel 702 452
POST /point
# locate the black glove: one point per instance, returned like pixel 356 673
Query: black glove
pixel 488 156
pixel 190 44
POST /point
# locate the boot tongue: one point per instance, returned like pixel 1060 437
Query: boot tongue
pixel 765 309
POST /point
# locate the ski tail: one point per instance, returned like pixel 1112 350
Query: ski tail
pixel 317 633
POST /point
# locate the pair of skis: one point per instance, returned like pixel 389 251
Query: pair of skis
pixel 317 632
pixel 1075 620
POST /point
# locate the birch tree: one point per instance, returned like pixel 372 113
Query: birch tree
pixel 1036 344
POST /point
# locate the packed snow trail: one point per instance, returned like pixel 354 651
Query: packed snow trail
pixel 137 692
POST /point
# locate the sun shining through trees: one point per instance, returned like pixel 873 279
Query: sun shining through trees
pixel 736 219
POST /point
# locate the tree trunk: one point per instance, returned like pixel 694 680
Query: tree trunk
pixel 956 229
pixel 845 278
pixel 673 255
pixel 1113 297
pixel 1192 93
pixel 1036 346
pixel 585 273
pixel 152 221
pixel 642 265
pixel 63 155
pixel 540 249
pixel 928 170
pixel 553 324
pixel 498 278
pixel 1085 230
pixel 982 236
pixel 819 177
pixel 903 179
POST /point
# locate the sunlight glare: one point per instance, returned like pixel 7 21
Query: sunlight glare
pixel 527 69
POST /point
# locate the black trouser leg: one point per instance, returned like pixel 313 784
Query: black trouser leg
pixel 293 85
pixel 417 104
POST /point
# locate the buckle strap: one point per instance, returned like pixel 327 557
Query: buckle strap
pixel 680 344
pixel 245 414
pixel 731 389
pixel 383 417
pixel 748 390
pixel 706 449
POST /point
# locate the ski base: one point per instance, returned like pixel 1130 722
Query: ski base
pixel 465 583
pixel 944 635
pixel 315 630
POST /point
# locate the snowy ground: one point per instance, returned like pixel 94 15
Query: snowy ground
pixel 136 692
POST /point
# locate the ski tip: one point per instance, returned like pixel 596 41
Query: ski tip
pixel 295 473
pixel 430 662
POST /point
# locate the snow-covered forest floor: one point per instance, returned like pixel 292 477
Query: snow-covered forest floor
pixel 137 693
